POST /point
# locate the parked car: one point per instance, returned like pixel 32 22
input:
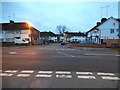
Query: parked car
pixel 89 42
pixel 64 42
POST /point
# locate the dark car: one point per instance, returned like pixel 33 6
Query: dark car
pixel 89 42
pixel 64 42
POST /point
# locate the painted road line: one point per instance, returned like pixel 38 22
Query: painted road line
pixel 110 78
pixel 23 75
pixel 5 74
pixel 86 73
pixel 110 74
pixel 66 54
pixel 118 55
pixel 63 72
pixel 43 75
pixel 87 77
pixel 64 76
pixel 13 52
pixel 11 71
pixel 27 71
pixel 102 54
pixel 48 72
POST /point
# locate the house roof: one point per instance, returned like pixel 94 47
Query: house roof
pixel 75 34
pixel 46 34
pixel 15 26
pixel 118 20
pixel 98 24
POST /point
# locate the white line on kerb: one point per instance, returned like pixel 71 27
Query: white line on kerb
pixel 111 74
pixel 43 75
pixel 11 71
pixel 87 77
pixel 84 73
pixel 45 72
pixel 23 75
pixel 64 76
pixel 110 78
pixel 27 71
pixel 63 72
pixel 5 74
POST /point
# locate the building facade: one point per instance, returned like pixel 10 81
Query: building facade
pixel 18 33
pixel 73 37
pixel 104 30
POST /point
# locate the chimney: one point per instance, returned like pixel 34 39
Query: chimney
pixel 98 23
pixel 103 20
pixel 11 21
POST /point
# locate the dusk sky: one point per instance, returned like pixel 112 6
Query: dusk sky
pixel 45 16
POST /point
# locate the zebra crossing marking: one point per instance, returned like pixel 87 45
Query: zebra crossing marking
pixel 87 77
pixel 86 73
pixel 43 75
pixel 64 76
pixel 110 78
pixel 63 72
pixel 59 74
pixel 47 72
pixel 110 74
pixel 11 71
pixel 5 74
pixel 23 75
pixel 27 71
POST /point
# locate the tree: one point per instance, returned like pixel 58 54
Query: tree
pixel 61 29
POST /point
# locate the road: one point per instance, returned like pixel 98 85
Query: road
pixel 56 66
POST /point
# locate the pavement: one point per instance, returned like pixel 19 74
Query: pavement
pixel 56 66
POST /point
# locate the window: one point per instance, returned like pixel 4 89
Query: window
pixel 9 40
pixel 8 32
pixel 113 24
pixel 117 30
pixel 111 30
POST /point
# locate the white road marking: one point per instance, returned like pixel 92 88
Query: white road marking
pixel 87 77
pixel 66 54
pixel 23 75
pixel 64 76
pixel 63 72
pixel 13 52
pixel 110 78
pixel 111 74
pixel 86 73
pixel 43 75
pixel 5 74
pixel 118 55
pixel 27 53
pixel 102 54
pixel 11 71
pixel 49 72
pixel 27 71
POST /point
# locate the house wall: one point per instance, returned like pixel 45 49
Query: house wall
pixel 77 38
pixel 106 27
pixel 10 36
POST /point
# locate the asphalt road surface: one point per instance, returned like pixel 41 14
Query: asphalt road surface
pixel 56 66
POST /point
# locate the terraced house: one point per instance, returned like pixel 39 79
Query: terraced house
pixel 19 33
